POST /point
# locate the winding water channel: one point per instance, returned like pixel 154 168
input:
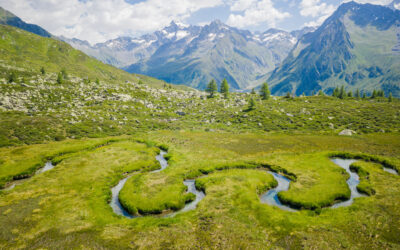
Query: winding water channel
pixel 190 184
pixel 48 166
pixel 353 182
pixel 270 197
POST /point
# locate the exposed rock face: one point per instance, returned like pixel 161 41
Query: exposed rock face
pixel 337 54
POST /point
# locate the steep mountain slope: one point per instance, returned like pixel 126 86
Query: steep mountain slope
pixel 124 51
pixel 358 46
pixel 218 52
pixel 279 42
pixel 192 55
pixel 8 18
pixel 300 33
pixel 21 49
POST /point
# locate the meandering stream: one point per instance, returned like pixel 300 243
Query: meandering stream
pixel 353 182
pixel 190 184
pixel 270 197
pixel 48 166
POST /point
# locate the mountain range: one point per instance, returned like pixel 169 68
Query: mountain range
pixel 193 55
pixel 358 47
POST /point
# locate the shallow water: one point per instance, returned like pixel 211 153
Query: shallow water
pixel 353 181
pixel 389 170
pixel 190 184
pixel 48 166
pixel 163 162
pixel 115 204
pixel 271 196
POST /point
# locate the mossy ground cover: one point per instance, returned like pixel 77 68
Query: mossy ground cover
pixel 22 162
pixel 68 205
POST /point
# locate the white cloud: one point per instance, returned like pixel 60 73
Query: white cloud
pixel 317 10
pixel 99 20
pixel 314 8
pixel 241 5
pixel 255 12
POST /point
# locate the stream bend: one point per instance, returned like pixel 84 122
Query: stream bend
pixel 270 197
pixel 190 184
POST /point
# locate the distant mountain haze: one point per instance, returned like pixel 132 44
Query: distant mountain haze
pixel 358 47
pixel 193 55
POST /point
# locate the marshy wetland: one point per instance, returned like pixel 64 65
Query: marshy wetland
pixel 70 204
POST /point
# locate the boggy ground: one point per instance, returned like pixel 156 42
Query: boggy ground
pixel 68 205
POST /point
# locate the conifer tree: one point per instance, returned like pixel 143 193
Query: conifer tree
pixel 42 70
pixel 341 93
pixel 253 92
pixel 264 92
pixel 374 94
pixel 60 78
pixel 390 98
pixel 224 89
pixel 211 88
pixel 252 104
pixel 364 95
pixel 357 95
pixel 335 92
pixel 350 94
pixel 64 73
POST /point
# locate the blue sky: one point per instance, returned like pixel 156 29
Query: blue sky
pixel 100 20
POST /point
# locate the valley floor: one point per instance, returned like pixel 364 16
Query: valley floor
pixel 68 205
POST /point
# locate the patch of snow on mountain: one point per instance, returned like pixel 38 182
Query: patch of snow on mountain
pixel 170 35
pixel 137 41
pixel 211 36
pixel 150 43
pixel 181 34
pixel 181 25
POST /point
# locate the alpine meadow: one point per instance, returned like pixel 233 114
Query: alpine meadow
pixel 246 124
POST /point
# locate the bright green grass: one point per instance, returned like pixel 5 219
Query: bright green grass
pixel 22 162
pixel 365 185
pixel 68 205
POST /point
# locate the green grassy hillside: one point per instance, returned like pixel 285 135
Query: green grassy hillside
pixel 27 53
